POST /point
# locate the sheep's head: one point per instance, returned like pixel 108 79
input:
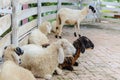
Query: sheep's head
pixel 12 53
pixel 65 48
pixel 68 48
pixel 92 9
pixel 87 42
pixel 83 43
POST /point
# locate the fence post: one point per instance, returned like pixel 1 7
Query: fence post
pixel 80 2
pixel 16 7
pixel 99 8
pixel 59 4
pixel 25 6
pixel 39 12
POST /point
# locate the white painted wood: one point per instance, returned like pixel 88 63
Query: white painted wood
pixel 39 12
pixel 16 8
pixel 26 27
pixel 110 3
pixel 111 9
pixel 5 41
pixel 5 23
pixel 69 6
pixel 26 13
pixel 48 8
pixel 27 1
pixel 23 41
pixel 5 3
pixel 49 17
pixel 43 1
pixel 69 1
pixel 6 11
pixel 59 4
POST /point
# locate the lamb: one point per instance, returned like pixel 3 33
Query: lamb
pixel 44 61
pixel 45 27
pixel 10 70
pixel 38 38
pixel 80 44
pixel 71 17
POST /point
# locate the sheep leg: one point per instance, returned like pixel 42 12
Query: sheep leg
pixel 58 71
pixel 78 26
pixel 60 29
pixel 75 31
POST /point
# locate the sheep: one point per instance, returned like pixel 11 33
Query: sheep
pixel 45 27
pixel 80 44
pixel 71 17
pixel 37 37
pixel 44 61
pixel 10 70
pixel 54 24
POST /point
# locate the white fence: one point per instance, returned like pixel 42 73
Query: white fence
pixel 12 22
pixel 18 33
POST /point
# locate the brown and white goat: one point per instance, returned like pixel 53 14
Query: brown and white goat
pixel 71 17
pixel 81 44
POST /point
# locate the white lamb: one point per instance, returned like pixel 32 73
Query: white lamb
pixel 71 17
pixel 45 27
pixel 37 37
pixel 9 69
pixel 44 61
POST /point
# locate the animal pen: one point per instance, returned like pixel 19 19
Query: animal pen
pixel 12 31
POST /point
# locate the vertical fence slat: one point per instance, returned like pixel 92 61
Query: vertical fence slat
pixel 39 12
pixel 16 7
pixel 59 4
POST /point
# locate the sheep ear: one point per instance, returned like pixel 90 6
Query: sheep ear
pixel 61 55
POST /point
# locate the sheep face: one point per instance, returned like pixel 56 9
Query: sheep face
pixel 83 43
pixel 67 47
pixel 87 42
pixel 12 53
pixel 92 9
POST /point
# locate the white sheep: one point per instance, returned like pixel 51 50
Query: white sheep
pixel 54 24
pixel 71 17
pixel 45 27
pixel 10 70
pixel 44 61
pixel 37 37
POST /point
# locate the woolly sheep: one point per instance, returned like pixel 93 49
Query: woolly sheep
pixel 44 61
pixel 37 37
pixel 9 69
pixel 54 24
pixel 45 27
pixel 81 44
pixel 71 17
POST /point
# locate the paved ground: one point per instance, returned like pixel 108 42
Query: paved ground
pixel 101 63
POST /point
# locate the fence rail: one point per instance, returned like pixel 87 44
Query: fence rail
pixel 19 33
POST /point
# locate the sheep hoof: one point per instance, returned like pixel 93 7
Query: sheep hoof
pixel 76 64
pixel 75 34
pixel 56 36
pixel 79 35
pixel 48 77
pixel 70 68
pixel 60 37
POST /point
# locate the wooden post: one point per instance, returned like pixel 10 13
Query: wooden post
pixel 39 12
pixel 59 4
pixel 16 7
pixel 80 2
pixel 25 6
